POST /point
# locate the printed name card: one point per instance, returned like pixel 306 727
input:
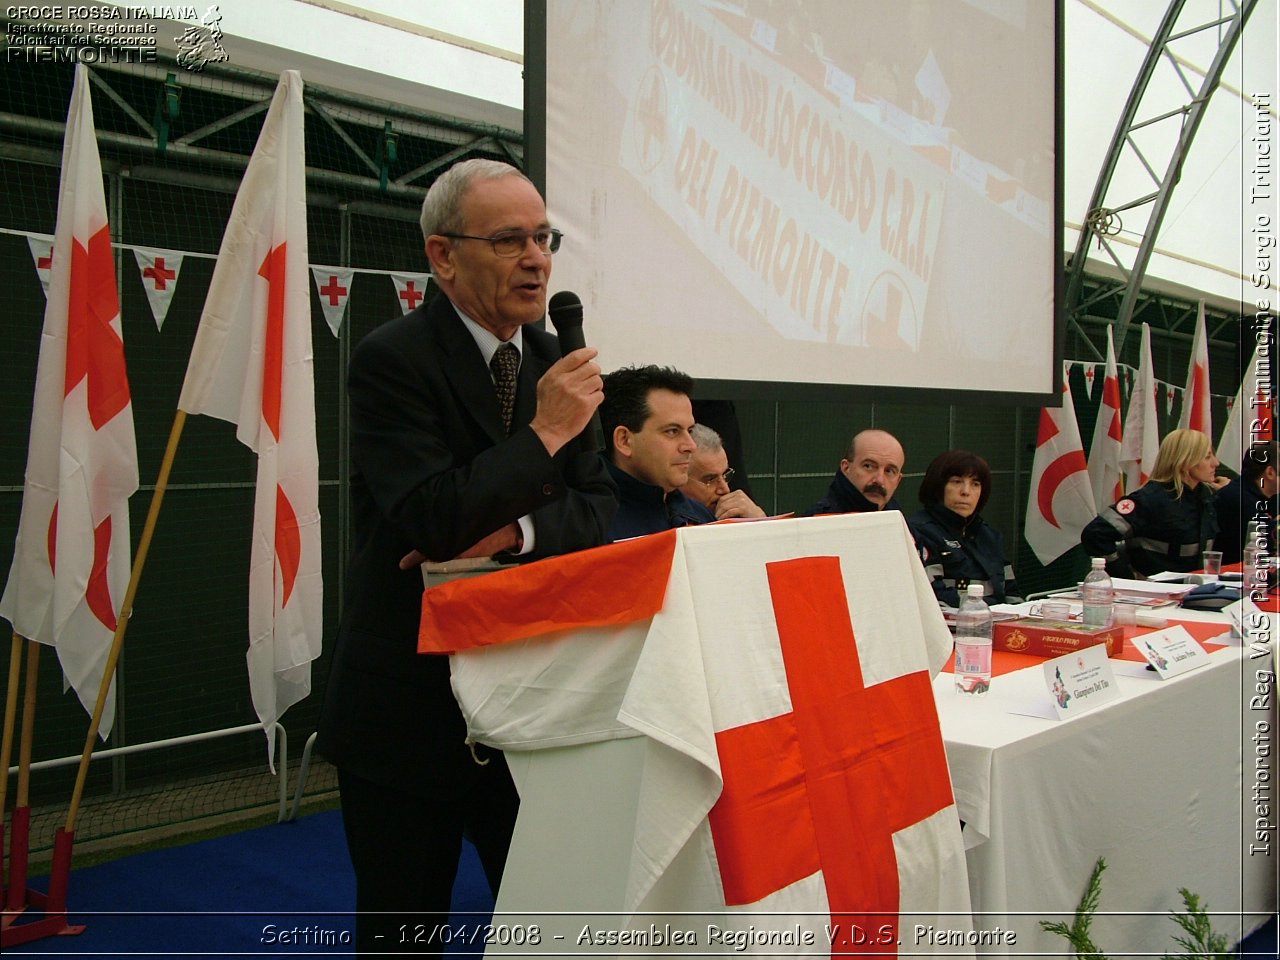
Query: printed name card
pixel 1081 681
pixel 1171 651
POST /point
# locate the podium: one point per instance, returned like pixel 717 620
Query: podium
pixel 724 738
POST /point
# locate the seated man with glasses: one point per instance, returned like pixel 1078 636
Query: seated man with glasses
pixel 709 476
pixel 647 417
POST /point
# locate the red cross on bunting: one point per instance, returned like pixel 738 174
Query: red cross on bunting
pixel 335 291
pixel 45 263
pixel 160 274
pixel 409 295
pixel 826 786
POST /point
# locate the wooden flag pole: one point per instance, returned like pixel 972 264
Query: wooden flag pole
pixel 126 610
pixel 19 846
pixel 10 715
pixel 6 754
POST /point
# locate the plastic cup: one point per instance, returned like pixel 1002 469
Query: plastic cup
pixel 1055 609
pixel 1212 562
pixel 1125 614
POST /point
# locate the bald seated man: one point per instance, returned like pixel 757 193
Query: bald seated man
pixel 709 476
pixel 868 476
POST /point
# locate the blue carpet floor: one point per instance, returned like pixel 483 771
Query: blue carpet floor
pixel 258 892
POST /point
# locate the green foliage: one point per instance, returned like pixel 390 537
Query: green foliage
pixel 1199 943
pixel 1077 934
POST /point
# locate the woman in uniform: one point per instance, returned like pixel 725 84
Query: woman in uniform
pixel 957 546
pixel 1168 522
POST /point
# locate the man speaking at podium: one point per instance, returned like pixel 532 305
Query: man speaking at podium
pixel 466 442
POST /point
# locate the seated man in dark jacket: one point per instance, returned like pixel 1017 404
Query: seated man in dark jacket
pixel 1249 499
pixel 646 417
pixel 868 476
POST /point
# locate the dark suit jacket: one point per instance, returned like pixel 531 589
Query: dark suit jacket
pixel 432 470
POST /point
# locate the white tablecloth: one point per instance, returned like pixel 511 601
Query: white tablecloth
pixel 1160 784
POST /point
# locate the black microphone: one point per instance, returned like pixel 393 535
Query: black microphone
pixel 565 314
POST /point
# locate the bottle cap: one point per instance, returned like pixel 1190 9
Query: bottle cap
pixel 976 590
pixel 1098 563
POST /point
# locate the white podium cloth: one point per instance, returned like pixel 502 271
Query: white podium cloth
pixel 709 668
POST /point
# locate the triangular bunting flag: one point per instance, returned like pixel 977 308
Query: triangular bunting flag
pixel 159 272
pixel 411 288
pixel 334 286
pixel 42 254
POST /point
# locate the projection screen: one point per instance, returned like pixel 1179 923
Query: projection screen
pixel 836 192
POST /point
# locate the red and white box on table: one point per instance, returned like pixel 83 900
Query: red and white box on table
pixel 1053 638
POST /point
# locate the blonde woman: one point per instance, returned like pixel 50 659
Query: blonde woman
pixel 1167 523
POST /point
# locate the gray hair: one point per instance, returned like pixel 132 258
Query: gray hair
pixel 442 206
pixel 706 439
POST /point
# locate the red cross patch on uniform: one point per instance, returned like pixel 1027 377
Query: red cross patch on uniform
pixel 1125 507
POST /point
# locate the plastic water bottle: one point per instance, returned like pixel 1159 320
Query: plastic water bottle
pixel 973 642
pixel 1098 595
pixel 1252 550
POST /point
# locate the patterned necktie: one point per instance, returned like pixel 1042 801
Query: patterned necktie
pixel 504 366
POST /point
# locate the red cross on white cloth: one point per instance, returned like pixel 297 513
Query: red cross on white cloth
pixel 252 364
pixel 334 286
pixel 772 675
pixel 159 270
pixel 812 790
pixel 411 288
pixel 72 553
pixel 1060 502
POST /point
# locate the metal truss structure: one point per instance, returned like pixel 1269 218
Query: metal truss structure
pixel 159 119
pixel 1088 294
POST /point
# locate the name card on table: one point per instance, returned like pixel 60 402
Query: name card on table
pixel 1249 622
pixel 1171 651
pixel 1080 681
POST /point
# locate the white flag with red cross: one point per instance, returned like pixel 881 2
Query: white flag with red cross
pixel 1141 440
pixel 1060 501
pixel 1196 409
pixel 1104 452
pixel 159 271
pixel 251 365
pixel 1252 416
pixel 411 288
pixel 334 286
pixel 71 562
pixel 780 675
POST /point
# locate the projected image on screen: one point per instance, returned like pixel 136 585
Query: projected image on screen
pixel 817 191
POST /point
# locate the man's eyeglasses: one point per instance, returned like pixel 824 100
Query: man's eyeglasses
pixel 513 243
pixel 713 479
